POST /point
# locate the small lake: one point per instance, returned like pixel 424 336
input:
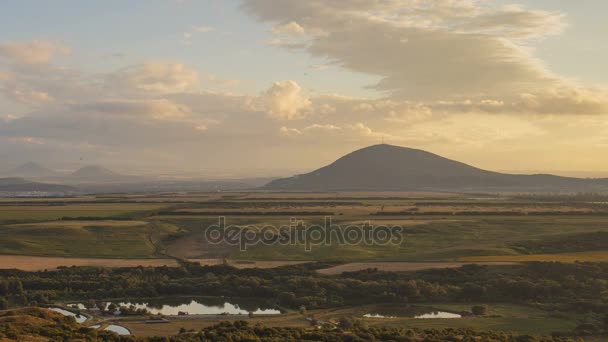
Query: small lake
pixel 377 316
pixel 201 307
pixel 78 317
pixel 118 329
pixel 417 312
pixel 438 314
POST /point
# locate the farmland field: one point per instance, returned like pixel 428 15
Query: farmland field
pixel 444 236
pixel 436 227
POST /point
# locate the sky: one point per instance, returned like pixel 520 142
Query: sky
pixel 266 88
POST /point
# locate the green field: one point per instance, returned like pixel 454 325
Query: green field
pixel 436 227
pixel 100 238
pixel 40 212
pixel 503 317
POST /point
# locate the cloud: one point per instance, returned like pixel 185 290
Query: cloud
pixel 156 77
pixel 223 82
pixel 26 140
pixel 291 27
pixel 160 109
pixel 29 96
pixel 516 22
pixel 289 131
pixel 203 29
pixel 285 100
pixel 33 52
pixel 435 51
pixel 187 36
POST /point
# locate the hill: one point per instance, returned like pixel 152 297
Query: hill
pixel 15 184
pixel 95 173
pixel 392 168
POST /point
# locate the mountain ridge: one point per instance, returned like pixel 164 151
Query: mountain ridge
pixel 386 167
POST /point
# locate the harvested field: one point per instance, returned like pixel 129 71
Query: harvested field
pixel 30 263
pixel 248 264
pixel 401 266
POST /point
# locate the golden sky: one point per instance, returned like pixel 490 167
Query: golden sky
pixel 259 87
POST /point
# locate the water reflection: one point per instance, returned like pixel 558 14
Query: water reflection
pixel 78 317
pixel 203 306
pixel 438 314
pixel 118 329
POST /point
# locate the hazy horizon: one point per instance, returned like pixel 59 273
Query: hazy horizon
pixel 249 88
pixel 219 173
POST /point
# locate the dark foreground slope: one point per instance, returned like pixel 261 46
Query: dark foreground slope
pixel 392 168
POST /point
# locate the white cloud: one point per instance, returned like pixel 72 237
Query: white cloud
pixel 285 100
pixel 432 51
pixel 291 27
pixel 323 127
pixel 289 131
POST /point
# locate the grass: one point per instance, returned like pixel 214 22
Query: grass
pixel 434 238
pixel 596 256
pixel 99 239
pixel 501 316
pixel 32 213
pixel 444 239
pixel 504 317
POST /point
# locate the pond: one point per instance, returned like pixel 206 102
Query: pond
pixel 78 317
pixel 417 312
pixel 438 314
pixel 118 329
pixel 369 315
pixel 201 307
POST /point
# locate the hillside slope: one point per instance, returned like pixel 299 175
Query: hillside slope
pixel 392 168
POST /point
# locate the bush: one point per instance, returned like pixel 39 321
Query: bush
pixel 479 310
pixel 3 303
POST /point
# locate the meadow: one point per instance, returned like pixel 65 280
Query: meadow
pixel 437 227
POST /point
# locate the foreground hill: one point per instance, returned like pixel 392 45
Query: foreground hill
pixel 23 185
pixel 393 168
pixel 39 324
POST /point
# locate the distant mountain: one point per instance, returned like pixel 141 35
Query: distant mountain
pixel 95 172
pixel 16 185
pixel 33 170
pixel 393 168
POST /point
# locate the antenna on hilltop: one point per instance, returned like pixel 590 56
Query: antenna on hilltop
pixel 383 140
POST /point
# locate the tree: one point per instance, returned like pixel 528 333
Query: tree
pixel 346 323
pixel 3 303
pixel 479 310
